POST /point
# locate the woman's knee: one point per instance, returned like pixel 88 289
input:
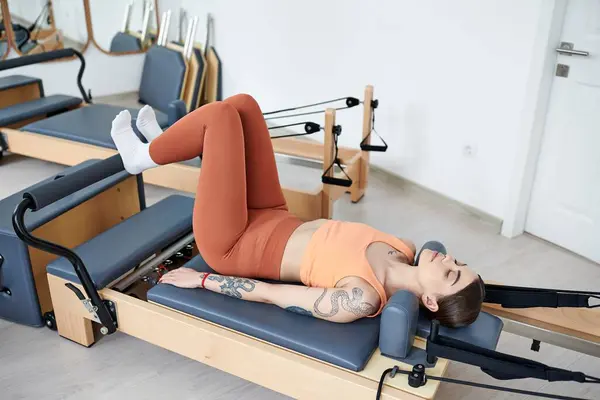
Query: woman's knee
pixel 220 110
pixel 243 102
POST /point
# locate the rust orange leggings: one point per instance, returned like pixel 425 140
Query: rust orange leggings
pixel 241 221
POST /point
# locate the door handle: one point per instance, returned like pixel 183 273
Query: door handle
pixel 567 49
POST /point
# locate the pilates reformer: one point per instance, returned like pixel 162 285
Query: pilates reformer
pixel 73 133
pixel 216 330
pixel 105 282
pixel 131 41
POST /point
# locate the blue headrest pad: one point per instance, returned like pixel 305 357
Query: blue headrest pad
pixel 345 345
pixel 484 332
pixel 402 319
pixel 162 77
pixel 399 324
pixel 124 42
pixel 433 246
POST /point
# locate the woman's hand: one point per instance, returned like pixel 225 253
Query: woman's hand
pixel 186 278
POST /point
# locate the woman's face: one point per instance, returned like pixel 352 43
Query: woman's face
pixel 441 275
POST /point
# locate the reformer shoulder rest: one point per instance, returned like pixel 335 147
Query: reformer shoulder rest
pixel 20 299
pixel 117 250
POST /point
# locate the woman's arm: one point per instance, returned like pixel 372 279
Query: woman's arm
pixel 344 304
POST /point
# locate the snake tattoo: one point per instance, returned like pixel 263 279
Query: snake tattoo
pixel 232 286
pixel 354 305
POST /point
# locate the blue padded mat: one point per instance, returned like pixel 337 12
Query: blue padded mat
pixel 90 124
pixel 346 345
pixel 117 250
pixel 162 77
pixel 123 42
pixel 38 107
pixel 13 81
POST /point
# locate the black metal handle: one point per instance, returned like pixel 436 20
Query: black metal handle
pixel 49 56
pixel 3 290
pixel 373 147
pixel 103 313
pixel 329 180
pixel 75 290
pixel 62 186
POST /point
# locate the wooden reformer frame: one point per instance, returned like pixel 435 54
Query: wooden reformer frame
pixel 307 205
pixel 282 370
pixel 576 329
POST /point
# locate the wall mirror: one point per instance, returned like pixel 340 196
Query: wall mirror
pixel 4 46
pixel 122 27
pixel 45 25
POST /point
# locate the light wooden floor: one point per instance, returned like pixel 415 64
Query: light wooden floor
pixel 36 363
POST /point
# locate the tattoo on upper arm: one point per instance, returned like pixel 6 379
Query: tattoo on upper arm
pixel 231 286
pixel 355 305
pixel 299 310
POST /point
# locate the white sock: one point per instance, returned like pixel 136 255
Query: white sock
pixel 135 154
pixel 147 124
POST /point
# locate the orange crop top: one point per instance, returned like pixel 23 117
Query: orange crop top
pixel 338 250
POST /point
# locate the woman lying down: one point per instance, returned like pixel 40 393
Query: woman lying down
pixel 245 232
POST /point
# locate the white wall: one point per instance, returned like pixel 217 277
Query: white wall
pixel 28 10
pixel 448 75
pixel 104 74
pixel 69 17
pixel 108 17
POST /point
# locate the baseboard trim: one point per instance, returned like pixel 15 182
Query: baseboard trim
pixel 390 176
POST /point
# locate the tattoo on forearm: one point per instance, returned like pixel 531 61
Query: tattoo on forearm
pixel 232 286
pixel 355 305
pixel 299 310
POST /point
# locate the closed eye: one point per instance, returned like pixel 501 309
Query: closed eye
pixel 457 278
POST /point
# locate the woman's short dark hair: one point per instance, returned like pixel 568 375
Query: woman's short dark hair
pixel 461 308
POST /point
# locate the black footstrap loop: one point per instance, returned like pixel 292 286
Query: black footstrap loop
pixel 330 180
pixel 496 364
pixel 524 297
pixel 370 147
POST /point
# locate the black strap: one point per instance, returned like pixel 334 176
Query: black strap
pixel 417 378
pixel 303 114
pixel 330 180
pixel 350 102
pixel 524 297
pixel 498 365
pixel 370 147
pixel 309 129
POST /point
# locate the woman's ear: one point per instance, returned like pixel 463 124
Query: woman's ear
pixel 430 302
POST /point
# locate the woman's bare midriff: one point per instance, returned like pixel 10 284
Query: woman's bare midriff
pixel 296 248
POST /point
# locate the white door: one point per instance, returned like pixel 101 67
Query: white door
pixel 565 202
